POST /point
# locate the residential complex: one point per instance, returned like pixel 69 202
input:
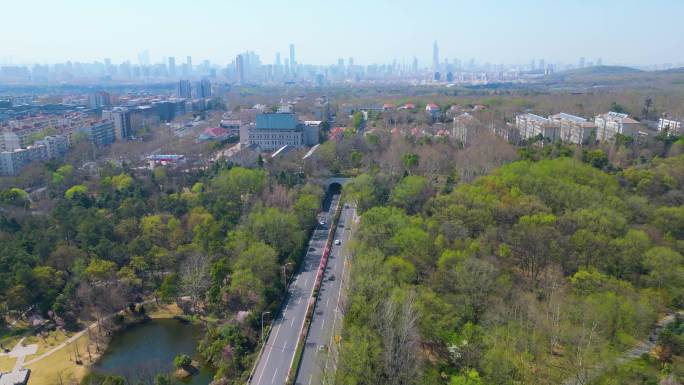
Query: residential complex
pixel 33 129
pixel 575 129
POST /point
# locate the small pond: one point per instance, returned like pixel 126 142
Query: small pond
pixel 140 352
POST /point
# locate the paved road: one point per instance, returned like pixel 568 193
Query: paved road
pixel 277 356
pixel 327 319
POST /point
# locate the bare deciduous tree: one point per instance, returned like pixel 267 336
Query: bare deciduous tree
pixel 398 328
pixel 195 277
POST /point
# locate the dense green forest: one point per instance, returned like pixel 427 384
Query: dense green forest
pixel 218 242
pixel 534 274
pixel 467 268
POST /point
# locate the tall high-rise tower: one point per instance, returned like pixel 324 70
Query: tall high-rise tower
pixel 435 57
pixel 277 60
pixel 184 89
pixel 240 69
pixel 292 57
pixel 172 66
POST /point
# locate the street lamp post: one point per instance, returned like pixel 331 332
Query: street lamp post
pixel 262 323
pixel 285 272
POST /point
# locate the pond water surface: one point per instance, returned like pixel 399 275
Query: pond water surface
pixel 140 352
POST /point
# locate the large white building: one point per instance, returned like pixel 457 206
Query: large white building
pixel 531 125
pixel 571 128
pixel 12 162
pixel 671 126
pixel 612 123
pixel 15 160
pixel 275 130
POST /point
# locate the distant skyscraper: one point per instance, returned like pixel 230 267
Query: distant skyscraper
pixel 292 57
pixel 599 62
pixel 415 65
pixel 172 66
pixel 203 89
pixel 277 61
pixel 184 90
pixel 99 99
pixel 108 66
pixel 581 62
pixel 542 65
pixel 144 57
pixel 533 65
pixel 240 69
pixel 351 62
pixel 435 57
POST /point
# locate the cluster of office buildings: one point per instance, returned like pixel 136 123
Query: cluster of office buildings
pixel 249 68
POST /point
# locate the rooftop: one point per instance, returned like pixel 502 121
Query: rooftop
pixel 17 377
pixel 572 118
pixel 276 121
pixel 538 118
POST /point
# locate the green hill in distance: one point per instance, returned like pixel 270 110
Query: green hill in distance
pixel 616 77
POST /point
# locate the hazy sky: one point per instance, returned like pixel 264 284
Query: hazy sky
pixel 497 31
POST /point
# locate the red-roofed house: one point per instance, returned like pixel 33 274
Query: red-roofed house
pixel 214 133
pixel 433 110
pixel 336 132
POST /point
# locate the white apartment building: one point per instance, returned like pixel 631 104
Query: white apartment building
pixel 12 162
pixel 671 126
pixel 15 160
pixel 612 123
pixel 571 128
pixel 531 125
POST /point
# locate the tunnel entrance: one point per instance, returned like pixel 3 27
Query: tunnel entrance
pixel 334 188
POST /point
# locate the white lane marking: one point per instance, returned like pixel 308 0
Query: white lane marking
pixel 327 301
pixel 292 323
pixel 322 323
pixel 268 356
pixel 284 346
pixel 306 281
pixel 274 375
pixel 310 377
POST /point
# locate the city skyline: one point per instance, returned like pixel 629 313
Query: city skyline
pixel 497 32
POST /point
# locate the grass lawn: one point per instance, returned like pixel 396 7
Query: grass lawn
pixel 164 311
pixel 7 363
pixel 47 370
pixel 53 339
